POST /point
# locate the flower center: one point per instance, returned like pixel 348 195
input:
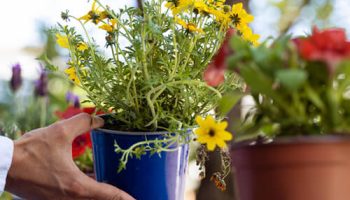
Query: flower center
pixel 236 20
pixel 211 133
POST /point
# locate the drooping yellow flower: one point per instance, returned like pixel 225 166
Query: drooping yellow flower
pixel 62 41
pixel 212 133
pixel 95 15
pixel 109 27
pixel 220 16
pixel 201 7
pixel 188 26
pixel 248 35
pixel 72 74
pixel 82 46
pixel 178 6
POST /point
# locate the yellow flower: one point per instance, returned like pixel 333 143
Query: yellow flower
pixel 109 27
pixel 248 35
pixel 220 16
pixel 188 26
pixel 82 46
pixel 72 74
pixel 212 133
pixel 95 15
pixel 177 6
pixel 62 41
pixel 201 7
pixel 239 16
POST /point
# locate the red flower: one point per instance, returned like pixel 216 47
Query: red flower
pixel 214 75
pixel 329 46
pixel 82 142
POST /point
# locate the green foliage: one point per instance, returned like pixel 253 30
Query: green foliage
pixel 292 96
pixel 155 82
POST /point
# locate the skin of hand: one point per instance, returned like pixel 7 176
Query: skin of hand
pixel 42 165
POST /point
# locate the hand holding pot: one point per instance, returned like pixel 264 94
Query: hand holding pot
pixel 43 168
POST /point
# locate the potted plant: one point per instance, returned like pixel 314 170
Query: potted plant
pixel 150 83
pixel 294 142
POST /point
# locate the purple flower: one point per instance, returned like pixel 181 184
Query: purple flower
pixel 72 98
pixel 41 85
pixel 16 79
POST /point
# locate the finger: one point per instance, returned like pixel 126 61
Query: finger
pixel 105 191
pixel 79 124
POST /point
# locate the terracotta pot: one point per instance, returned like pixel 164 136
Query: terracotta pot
pixel 298 168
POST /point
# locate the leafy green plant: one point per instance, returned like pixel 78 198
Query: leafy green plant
pixel 300 86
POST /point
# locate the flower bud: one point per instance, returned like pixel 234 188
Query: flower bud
pixel 41 85
pixel 16 79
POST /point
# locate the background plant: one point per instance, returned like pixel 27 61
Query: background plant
pixel 300 87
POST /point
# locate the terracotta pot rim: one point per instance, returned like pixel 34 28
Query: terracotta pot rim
pixel 292 140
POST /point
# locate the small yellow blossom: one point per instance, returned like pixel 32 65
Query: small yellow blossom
pixel 95 15
pixel 82 46
pixel 72 74
pixel 248 35
pixel 177 6
pixel 212 133
pixel 188 26
pixel 109 27
pixel 239 15
pixel 62 41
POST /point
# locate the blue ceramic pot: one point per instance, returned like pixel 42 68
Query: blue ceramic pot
pixel 150 178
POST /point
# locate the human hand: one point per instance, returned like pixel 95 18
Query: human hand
pixel 43 168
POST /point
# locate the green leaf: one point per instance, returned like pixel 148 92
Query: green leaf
pixel 257 80
pixel 228 102
pixel 291 79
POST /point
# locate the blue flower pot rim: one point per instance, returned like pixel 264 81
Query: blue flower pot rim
pixel 130 132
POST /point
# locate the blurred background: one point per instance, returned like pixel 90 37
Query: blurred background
pixel 38 99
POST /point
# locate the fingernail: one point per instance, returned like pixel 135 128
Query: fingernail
pixel 98 122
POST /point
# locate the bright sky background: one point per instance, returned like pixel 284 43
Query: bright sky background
pixel 20 28
pixel 21 20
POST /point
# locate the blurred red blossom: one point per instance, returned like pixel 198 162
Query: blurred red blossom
pixel 214 75
pixel 329 46
pixel 82 142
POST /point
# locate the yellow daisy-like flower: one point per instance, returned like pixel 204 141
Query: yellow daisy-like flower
pixel 62 41
pixel 177 6
pixel 72 74
pixel 82 46
pixel 212 133
pixel 188 26
pixel 201 7
pixel 95 15
pixel 248 35
pixel 239 15
pixel 109 27
pixel 220 16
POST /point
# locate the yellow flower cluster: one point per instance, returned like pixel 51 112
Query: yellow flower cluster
pixel 235 16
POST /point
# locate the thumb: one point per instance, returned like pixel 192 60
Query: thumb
pixel 80 124
pixel 105 191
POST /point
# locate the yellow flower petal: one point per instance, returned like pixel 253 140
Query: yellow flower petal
pixel 72 75
pixel 62 41
pixel 223 125
pixel 82 46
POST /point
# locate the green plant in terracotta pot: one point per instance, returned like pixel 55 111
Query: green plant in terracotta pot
pixel 148 77
pixel 294 143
